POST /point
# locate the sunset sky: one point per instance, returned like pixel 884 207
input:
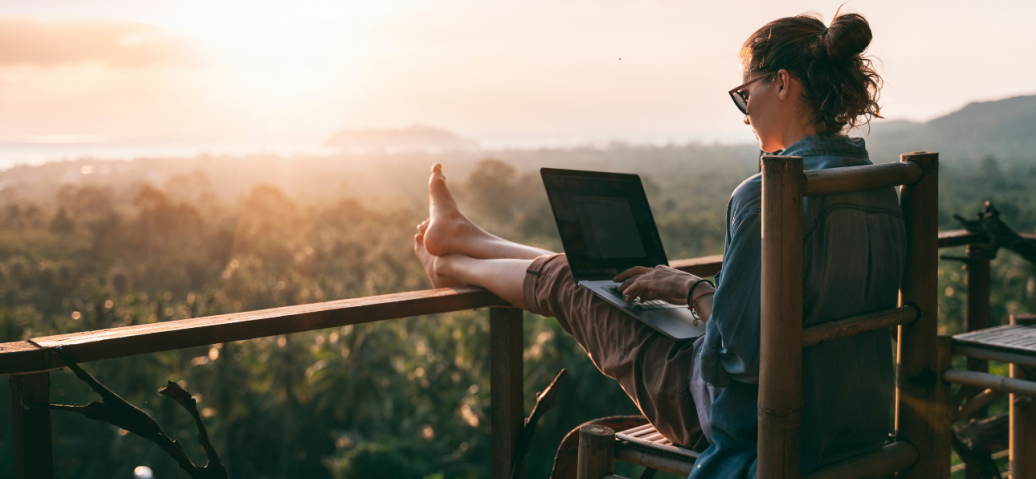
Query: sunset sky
pixel 501 72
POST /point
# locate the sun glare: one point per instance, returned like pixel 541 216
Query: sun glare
pixel 274 52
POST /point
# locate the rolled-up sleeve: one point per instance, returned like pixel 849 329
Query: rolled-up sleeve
pixel 731 348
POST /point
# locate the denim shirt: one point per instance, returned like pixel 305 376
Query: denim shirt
pixel 854 250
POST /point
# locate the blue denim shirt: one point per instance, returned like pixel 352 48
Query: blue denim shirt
pixel 854 249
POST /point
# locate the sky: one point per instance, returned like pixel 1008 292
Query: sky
pixel 82 74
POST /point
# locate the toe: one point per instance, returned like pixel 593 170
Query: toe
pixel 437 174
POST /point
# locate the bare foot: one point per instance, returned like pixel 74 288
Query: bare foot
pixel 430 262
pixel 449 231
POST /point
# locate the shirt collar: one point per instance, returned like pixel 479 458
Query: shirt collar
pixel 826 145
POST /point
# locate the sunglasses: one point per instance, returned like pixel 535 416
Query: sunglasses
pixel 739 99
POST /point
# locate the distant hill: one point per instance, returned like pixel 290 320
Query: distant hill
pixel 1005 129
pixel 415 138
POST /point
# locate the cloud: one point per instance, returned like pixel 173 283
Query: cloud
pixel 47 42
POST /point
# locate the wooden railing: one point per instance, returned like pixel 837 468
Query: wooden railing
pixel 28 362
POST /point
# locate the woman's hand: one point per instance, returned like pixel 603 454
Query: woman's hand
pixel 661 282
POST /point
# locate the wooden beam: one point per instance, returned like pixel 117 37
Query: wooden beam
pixel 859 178
pixel 951 238
pixel 33 450
pixel 506 373
pixel 843 328
pixel 991 381
pixel 940 407
pixel 977 318
pixel 662 462
pixel 185 333
pixel 994 355
pixel 596 452
pixel 705 266
pixel 780 361
pixel 1021 442
pixel 917 413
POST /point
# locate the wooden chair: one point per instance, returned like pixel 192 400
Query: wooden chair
pixel 921 445
pixel 1014 343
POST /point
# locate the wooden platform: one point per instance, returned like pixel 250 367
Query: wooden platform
pixel 643 445
pixel 1013 338
pixel 647 436
pixel 1011 343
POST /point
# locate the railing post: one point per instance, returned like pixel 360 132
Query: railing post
pixel 506 371
pixel 977 318
pixel 1022 429
pixel 780 360
pixel 920 418
pixel 596 454
pixel 33 452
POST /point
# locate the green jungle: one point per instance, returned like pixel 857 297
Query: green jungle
pixel 405 398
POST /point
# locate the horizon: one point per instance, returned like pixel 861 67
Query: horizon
pixel 120 79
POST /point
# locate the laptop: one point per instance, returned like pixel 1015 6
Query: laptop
pixel 606 227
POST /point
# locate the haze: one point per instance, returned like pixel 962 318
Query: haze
pixel 505 73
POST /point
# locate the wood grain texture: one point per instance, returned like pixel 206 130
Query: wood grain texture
pixel 33 450
pixel 843 328
pixel 858 178
pixel 780 361
pixel 1014 338
pixel 149 338
pixel 596 452
pixel 917 418
pixel 506 373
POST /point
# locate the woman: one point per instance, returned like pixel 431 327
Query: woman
pixel 804 86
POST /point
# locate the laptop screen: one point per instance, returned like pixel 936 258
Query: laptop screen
pixel 604 220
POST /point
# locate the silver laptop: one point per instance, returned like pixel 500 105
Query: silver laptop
pixel 606 227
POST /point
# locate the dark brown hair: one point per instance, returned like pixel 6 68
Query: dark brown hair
pixel 841 85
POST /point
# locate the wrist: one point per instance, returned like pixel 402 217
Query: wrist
pixel 698 286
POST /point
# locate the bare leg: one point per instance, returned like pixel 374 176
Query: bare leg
pixel 504 277
pixel 450 232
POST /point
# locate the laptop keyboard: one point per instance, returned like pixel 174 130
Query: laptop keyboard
pixel 638 305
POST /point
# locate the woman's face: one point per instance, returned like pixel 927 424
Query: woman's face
pixel 776 112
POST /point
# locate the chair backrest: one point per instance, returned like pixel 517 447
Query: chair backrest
pixel 919 410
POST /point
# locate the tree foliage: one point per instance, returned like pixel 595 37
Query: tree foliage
pixel 403 398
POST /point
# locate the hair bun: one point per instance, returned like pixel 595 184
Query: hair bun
pixel 848 36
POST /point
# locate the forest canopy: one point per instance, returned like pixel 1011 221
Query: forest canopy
pixel 90 244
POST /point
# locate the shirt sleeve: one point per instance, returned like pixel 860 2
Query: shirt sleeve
pixel 731 348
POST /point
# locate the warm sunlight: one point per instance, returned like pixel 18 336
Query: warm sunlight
pixel 255 76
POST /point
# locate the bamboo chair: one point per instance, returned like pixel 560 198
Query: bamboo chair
pixel 1014 343
pixel 921 445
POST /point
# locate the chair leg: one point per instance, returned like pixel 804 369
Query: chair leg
pixel 596 452
pixel 1022 440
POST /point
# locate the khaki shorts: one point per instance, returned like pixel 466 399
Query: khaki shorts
pixel 653 369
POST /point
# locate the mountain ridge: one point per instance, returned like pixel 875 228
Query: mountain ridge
pixel 1004 129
